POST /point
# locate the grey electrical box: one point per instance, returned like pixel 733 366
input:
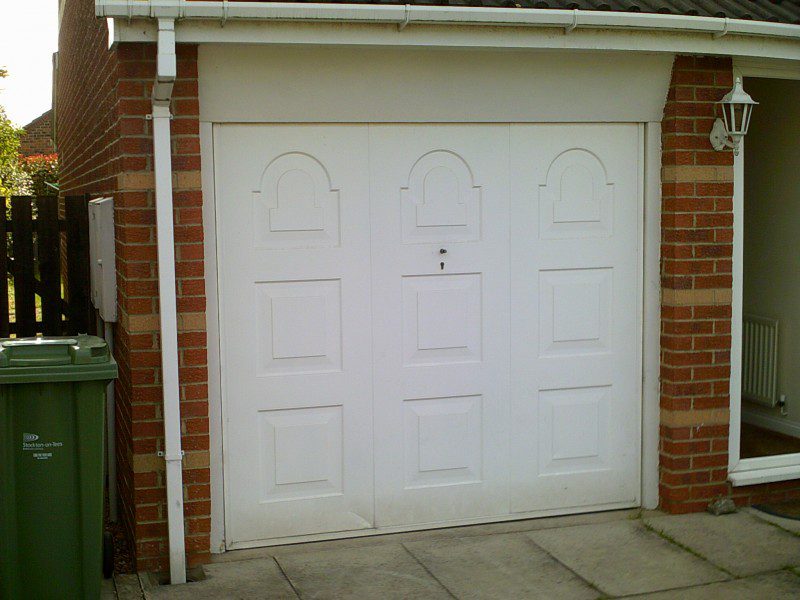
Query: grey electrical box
pixel 102 257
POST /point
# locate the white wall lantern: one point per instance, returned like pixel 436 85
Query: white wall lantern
pixel 737 107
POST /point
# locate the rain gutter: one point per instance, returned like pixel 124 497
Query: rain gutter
pixel 404 15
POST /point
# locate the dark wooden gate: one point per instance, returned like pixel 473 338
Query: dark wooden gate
pixel 46 258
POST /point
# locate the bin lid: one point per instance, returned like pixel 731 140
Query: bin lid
pixel 53 359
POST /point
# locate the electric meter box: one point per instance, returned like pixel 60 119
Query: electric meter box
pixel 102 257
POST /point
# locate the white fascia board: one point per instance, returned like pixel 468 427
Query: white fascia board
pixel 451 36
pixel 451 15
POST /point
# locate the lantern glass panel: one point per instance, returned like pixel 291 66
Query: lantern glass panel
pixel 748 112
pixel 726 117
pixel 737 118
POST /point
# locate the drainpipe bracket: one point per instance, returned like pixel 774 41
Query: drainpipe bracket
pixel 572 26
pixel 171 457
pixel 406 18
pixel 724 31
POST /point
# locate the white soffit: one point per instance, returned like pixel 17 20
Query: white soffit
pixel 483 36
pixel 300 84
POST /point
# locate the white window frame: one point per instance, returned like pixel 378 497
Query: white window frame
pixel 764 469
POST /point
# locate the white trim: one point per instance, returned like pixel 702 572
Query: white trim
pixel 217 538
pixel 769 462
pixel 265 32
pixel 776 69
pixel 741 478
pixel 567 20
pixel 337 535
pixel 750 471
pixel 735 387
pixel 651 315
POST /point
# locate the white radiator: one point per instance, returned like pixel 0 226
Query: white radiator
pixel 760 360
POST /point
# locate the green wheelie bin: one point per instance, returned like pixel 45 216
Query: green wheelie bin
pixel 52 421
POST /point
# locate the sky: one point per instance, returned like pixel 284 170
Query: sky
pixel 28 38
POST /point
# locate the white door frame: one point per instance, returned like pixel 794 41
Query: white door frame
pixel 650 191
pixel 765 469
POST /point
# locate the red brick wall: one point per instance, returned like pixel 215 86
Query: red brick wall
pixel 105 142
pixel 38 138
pixel 696 279
pixel 696 267
pixel 138 298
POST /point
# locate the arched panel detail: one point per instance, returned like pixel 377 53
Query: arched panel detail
pixel 441 201
pixel 295 205
pixel 577 200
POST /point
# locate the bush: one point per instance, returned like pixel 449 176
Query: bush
pixel 41 170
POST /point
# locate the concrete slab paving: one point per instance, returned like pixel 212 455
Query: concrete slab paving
pixel 739 543
pixel 792 525
pixel 128 587
pixel 384 572
pixel 107 591
pixel 782 585
pixel 624 558
pixel 243 580
pixel 497 567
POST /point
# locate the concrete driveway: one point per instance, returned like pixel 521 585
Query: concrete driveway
pixel 627 554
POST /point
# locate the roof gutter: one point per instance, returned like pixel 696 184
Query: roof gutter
pixel 166 72
pixel 403 15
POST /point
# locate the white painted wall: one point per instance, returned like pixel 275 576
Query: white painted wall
pixel 771 238
pixel 241 83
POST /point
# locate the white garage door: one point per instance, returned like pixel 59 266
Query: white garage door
pixel 426 324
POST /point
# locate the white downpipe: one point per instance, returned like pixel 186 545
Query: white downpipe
pixel 107 330
pixel 162 157
pixel 402 16
pixel 111 408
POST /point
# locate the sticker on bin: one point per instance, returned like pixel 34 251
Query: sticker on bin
pixel 39 450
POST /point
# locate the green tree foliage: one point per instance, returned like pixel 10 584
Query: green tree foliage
pixel 41 171
pixel 11 175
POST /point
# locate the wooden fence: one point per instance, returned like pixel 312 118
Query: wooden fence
pixel 46 258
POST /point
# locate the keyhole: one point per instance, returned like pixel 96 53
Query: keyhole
pixel 441 265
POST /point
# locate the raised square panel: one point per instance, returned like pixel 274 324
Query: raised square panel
pixel 575 311
pixel 576 201
pixel 443 441
pixel 441 202
pixel 298 326
pixel 574 429
pixel 301 453
pixel 295 205
pixel 441 319
pixel 442 315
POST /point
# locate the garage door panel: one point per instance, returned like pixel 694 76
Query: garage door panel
pixel 424 324
pixel 296 205
pixel 576 403
pixel 293 208
pixel 440 210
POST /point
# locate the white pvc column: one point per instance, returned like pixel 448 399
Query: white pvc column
pixel 162 157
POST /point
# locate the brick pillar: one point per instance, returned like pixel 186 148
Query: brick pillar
pixel 696 280
pixel 141 427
